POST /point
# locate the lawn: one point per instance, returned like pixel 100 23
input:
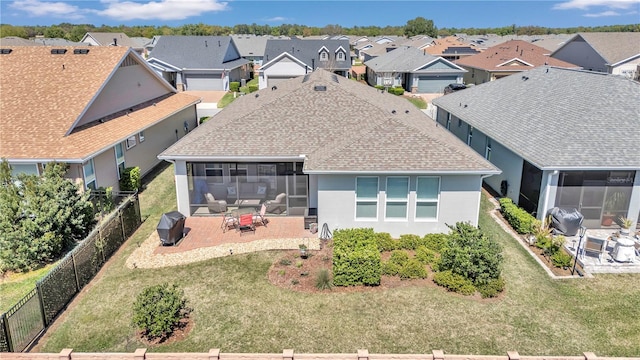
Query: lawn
pixel 15 286
pixel 236 309
pixel 228 97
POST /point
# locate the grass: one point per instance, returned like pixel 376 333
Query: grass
pixel 238 310
pixel 15 286
pixel 228 97
pixel 418 102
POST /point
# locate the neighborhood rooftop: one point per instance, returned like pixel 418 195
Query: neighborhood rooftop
pixel 403 59
pixel 613 47
pixel 307 51
pixel 197 52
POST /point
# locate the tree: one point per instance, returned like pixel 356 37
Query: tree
pixel 420 26
pixel 54 32
pixel 40 217
pixel 158 310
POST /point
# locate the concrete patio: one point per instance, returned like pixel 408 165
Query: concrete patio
pixel 590 262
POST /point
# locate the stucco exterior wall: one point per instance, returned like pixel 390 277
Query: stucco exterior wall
pixel 581 54
pixel 106 170
pixel 337 202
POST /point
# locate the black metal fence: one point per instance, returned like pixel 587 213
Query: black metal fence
pixel 27 319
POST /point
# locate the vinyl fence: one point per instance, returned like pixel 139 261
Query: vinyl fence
pixel 27 319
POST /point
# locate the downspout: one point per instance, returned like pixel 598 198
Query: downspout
pixel 545 204
pixel 482 177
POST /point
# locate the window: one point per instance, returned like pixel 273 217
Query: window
pixel 448 121
pixel 89 175
pixel 141 136
pixel 469 134
pixel 397 197
pixel 239 172
pixel 340 56
pixel 119 159
pixel 324 56
pixel 213 172
pixel 131 142
pixel 29 169
pixel 366 198
pixel 487 149
pixel 427 194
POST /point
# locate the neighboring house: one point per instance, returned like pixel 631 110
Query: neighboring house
pixel 360 48
pixel 17 41
pixel 377 50
pixel 57 42
pixel 252 47
pixel 360 157
pixel 562 137
pixel 616 53
pixel 98 109
pixel 451 48
pixel 199 63
pixel 142 43
pixel 286 59
pixel 111 39
pixel 504 59
pixel 414 70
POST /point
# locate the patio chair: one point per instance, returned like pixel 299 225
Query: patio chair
pixel 259 218
pixel 595 246
pixel 245 224
pixel 228 222
pixel 278 204
pixel 215 206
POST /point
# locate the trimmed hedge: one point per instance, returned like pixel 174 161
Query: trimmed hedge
pixel 234 86
pixel 491 289
pixel 252 88
pixel 396 91
pixel 130 179
pixel 390 268
pixel 410 241
pixel 435 242
pixel 399 257
pixel 386 242
pixel 426 255
pixel 519 219
pixel 454 282
pixel 356 259
pixel 413 269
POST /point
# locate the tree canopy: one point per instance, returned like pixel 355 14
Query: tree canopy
pixel 420 26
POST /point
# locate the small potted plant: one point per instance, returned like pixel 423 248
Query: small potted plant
pixel 303 251
pixel 625 224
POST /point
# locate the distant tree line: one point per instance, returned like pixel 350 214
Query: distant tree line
pixel 419 25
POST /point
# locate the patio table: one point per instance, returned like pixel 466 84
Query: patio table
pixel 624 251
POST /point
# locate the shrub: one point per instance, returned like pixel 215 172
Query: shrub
pixel 410 241
pixel 389 268
pixel 285 262
pixel 413 269
pixel 386 242
pixel 204 119
pixel 520 220
pixel 356 259
pixel 234 86
pixel 105 201
pixel 471 254
pixel 379 87
pixel 130 179
pixel 561 259
pixel 454 282
pixel 435 242
pixel 492 288
pixel 398 90
pixel 426 255
pixel 323 280
pixel 252 88
pixel 399 257
pixel 158 310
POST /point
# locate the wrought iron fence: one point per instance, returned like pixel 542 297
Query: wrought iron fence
pixel 28 318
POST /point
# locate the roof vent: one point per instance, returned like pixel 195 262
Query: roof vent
pixel 6 51
pixel 393 111
pixel 525 78
pixel 81 51
pixel 320 88
pixel 406 111
pixel 274 88
pixel 58 51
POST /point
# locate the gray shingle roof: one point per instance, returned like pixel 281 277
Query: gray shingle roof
pixel 197 52
pixel 106 39
pixel 557 119
pixel 405 59
pixel 613 47
pixel 251 45
pixel 306 50
pixel 349 127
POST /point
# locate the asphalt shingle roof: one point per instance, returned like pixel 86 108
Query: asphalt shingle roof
pixel 404 59
pixel 557 117
pixel 347 127
pixel 306 50
pixel 197 52
pixel 613 46
pixel 106 39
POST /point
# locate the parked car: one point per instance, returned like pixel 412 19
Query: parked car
pixel 454 87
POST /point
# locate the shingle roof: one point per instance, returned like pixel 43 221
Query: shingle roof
pixel 44 94
pixel 197 52
pixel 106 39
pixel 58 42
pixel 556 117
pixel 250 45
pixel 405 59
pixel 613 46
pixel 9 41
pixel 497 58
pixel 441 46
pixel 306 50
pixel 345 127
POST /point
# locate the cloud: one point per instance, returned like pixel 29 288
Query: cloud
pixel 36 8
pixel 276 19
pixel 159 10
pixel 602 14
pixel 586 4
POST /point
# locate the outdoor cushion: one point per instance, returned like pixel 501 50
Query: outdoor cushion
pixel 262 190
pixel 231 190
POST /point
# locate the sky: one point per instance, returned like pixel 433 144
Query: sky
pixel 445 14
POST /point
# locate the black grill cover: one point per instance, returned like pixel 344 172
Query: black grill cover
pixel 170 227
pixel 565 222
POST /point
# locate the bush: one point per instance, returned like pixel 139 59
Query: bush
pixel 454 282
pixel 252 88
pixel 435 242
pixel 379 87
pixel 356 259
pixel 410 241
pixel 561 259
pixel 130 179
pixel 399 257
pixel 398 90
pixel 386 242
pixel 413 269
pixel 492 288
pixel 389 268
pixel 520 220
pixel 105 199
pixel 234 86
pixel 426 255
pixel 158 310
pixel 323 280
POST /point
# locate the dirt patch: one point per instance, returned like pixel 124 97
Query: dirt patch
pixel 181 331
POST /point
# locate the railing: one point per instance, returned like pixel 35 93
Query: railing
pixel 30 316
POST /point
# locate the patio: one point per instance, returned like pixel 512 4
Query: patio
pixel 590 262
pixel 205 239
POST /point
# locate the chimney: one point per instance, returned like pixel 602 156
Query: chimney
pixel 115 41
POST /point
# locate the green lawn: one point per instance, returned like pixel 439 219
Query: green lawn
pixel 15 286
pixel 236 309
pixel 228 97
pixel 418 102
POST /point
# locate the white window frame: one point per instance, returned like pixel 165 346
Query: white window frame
pixel 91 178
pixel 15 173
pixel 404 200
pixel 427 200
pixel 340 56
pixel 214 167
pixel 324 56
pixel 119 159
pixel 368 200
pixel 487 149
pixel 131 142
pixel 141 136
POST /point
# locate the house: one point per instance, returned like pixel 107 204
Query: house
pixel 199 63
pixel 504 59
pixel 111 39
pixel 11 41
pixel 99 109
pixel 451 48
pixel 285 59
pixel 414 70
pixel 376 50
pixel 320 142
pixel 562 138
pixel 616 53
pixel 252 47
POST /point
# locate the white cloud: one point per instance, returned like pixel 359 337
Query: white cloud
pixel 36 8
pixel 159 10
pixel 276 19
pixel 602 14
pixel 586 4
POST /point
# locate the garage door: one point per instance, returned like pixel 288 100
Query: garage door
pixel 204 82
pixel 434 84
pixel 274 80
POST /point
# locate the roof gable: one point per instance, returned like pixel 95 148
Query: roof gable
pixel 308 51
pixel 409 59
pixel 198 52
pixel 612 46
pixel 284 57
pixel 439 64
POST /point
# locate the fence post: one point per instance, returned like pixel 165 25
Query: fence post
pixel 75 271
pixel 120 217
pixel 7 333
pixel 41 302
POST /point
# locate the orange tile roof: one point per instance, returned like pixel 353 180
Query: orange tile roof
pixel 494 58
pixel 43 94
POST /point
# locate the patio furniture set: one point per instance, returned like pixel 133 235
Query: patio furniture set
pixel 244 219
pixel 276 206
pixel 625 248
